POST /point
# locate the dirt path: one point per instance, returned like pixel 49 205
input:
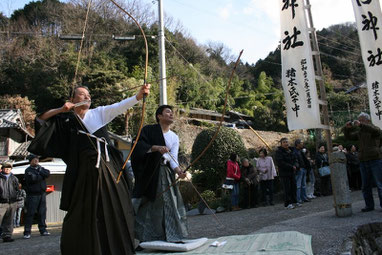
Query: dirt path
pixel 316 218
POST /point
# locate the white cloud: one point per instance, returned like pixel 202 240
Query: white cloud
pixel 325 12
pixel 248 10
pixel 268 8
pixel 225 12
pixel 328 12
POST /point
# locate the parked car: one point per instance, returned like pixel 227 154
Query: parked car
pixel 230 125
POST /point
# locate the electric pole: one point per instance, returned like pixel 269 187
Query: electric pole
pixel 341 196
pixel 162 58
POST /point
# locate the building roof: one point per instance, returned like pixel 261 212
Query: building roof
pixel 354 88
pixel 202 112
pixel 12 125
pixel 126 139
pixel 56 166
pixel 21 151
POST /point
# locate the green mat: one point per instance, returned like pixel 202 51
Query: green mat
pixel 279 243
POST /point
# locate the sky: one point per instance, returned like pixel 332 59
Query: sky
pixel 251 25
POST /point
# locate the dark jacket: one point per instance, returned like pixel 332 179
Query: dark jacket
pixel 8 188
pixel 303 162
pixel 35 183
pixel 352 162
pixel 286 160
pixel 251 173
pixel 21 195
pixel 321 160
pixel 146 165
pixel 368 136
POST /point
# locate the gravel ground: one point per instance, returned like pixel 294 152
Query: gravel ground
pixel 317 218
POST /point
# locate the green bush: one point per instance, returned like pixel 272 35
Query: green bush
pixel 212 165
pixel 210 198
pixel 190 197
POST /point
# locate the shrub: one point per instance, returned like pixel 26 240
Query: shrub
pixel 210 198
pixel 212 165
pixel 190 197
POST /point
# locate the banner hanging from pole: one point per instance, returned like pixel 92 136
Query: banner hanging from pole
pixel 298 76
pixel 368 18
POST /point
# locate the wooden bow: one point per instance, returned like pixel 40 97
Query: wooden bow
pixel 144 82
pixel 223 113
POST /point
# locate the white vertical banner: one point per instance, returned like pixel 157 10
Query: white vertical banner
pixel 298 76
pixel 368 18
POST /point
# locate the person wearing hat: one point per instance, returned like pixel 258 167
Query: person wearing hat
pixel 35 187
pixel 8 200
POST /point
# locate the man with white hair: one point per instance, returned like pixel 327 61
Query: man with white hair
pixel 369 155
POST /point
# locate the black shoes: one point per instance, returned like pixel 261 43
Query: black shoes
pixel 7 239
pixel 367 209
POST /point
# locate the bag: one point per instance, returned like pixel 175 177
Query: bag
pixel 324 171
pixel 228 184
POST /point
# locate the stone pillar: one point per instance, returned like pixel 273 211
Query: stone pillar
pixel 340 184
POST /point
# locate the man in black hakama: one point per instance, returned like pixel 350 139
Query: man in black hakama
pixel 100 218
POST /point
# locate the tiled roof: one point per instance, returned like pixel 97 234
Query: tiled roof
pixel 12 119
pixel 21 151
pixel 202 112
pixel 125 139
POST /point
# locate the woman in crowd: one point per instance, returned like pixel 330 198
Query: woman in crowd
pixel 311 179
pixel 233 176
pixel 322 160
pixel 267 172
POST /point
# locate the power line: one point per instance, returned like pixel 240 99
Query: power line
pixel 341 59
pixel 38 34
pixel 189 64
pixel 342 44
pixel 342 35
pixel 340 49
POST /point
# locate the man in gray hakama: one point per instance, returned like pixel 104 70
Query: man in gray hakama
pixel 161 214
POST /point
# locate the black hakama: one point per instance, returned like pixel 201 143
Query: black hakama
pixel 100 218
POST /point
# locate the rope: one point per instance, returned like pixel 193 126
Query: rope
pixel 80 50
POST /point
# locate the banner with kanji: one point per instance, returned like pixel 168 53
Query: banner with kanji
pixel 368 18
pixel 298 76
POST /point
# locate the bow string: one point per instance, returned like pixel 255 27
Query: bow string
pixel 223 113
pixel 144 82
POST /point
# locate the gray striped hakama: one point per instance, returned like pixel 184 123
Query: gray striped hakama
pixel 164 218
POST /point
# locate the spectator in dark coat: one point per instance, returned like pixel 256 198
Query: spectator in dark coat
pixel 35 187
pixel 352 163
pixel 301 172
pixel 287 164
pixel 21 195
pixel 9 185
pixel 250 179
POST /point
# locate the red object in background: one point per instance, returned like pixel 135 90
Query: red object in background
pixel 49 188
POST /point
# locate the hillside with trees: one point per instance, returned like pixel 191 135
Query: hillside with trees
pixel 39 66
